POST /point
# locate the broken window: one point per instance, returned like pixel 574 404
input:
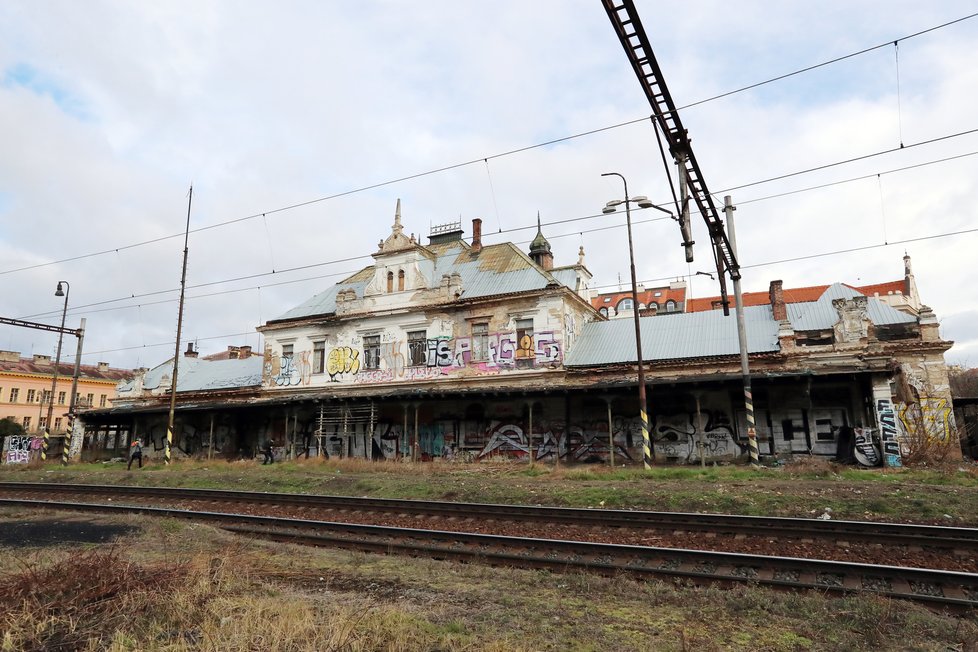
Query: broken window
pixel 480 341
pixel 371 351
pixel 287 350
pixel 417 348
pixel 318 357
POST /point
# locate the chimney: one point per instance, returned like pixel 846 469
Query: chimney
pixel 42 358
pixel 233 352
pixel 776 296
pixel 103 366
pixel 9 356
pixel 476 235
pixel 244 352
pixel 190 353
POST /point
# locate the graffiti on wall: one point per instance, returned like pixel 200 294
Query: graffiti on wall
pixel 293 370
pixel 442 355
pixel 889 437
pixel 930 417
pixel 864 448
pixel 342 360
pixel 19 448
pixel 677 436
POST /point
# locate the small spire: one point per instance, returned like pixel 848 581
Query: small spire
pixel 580 256
pixel 397 228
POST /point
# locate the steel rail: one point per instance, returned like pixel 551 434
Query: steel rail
pixel 934 587
pixel 941 536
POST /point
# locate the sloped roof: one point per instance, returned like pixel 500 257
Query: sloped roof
pixel 821 315
pixel 794 295
pixel 495 270
pixel 196 374
pixel 646 296
pixel 685 335
pixel 709 333
pixel 46 368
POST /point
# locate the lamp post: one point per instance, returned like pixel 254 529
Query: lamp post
pixel 57 362
pixel 642 202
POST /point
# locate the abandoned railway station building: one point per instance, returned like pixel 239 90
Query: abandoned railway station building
pixel 456 349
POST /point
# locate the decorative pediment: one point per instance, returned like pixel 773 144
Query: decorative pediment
pixel 397 241
pixel 854 324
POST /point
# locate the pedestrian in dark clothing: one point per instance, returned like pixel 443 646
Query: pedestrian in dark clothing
pixel 267 452
pixel 135 453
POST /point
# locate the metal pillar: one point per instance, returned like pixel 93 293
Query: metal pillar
pixel 728 209
pixel 611 436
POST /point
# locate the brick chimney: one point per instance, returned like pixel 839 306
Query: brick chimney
pixel 244 352
pixel 190 353
pixel 103 366
pixel 476 235
pixel 776 295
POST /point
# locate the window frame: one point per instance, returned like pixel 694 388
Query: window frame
pixel 417 348
pixel 319 356
pixel 479 347
pixel 371 352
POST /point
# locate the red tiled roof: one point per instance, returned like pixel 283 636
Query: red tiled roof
pixel 794 295
pixel 30 366
pixel 646 297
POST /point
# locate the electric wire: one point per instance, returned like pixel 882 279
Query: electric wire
pixel 487 158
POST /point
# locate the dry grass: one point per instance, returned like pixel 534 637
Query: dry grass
pixel 177 586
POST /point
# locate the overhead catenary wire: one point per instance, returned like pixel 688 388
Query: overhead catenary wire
pixel 486 159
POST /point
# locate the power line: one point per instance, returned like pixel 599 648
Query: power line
pixel 485 159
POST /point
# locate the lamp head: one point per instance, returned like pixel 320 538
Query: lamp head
pixel 59 292
pixel 643 202
pixel 608 210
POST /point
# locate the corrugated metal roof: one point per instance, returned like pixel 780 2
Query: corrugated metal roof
pixel 496 269
pixel 196 374
pixel 673 337
pixel 822 315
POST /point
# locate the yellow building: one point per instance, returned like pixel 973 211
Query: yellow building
pixel 25 390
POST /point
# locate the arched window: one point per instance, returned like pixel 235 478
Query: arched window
pixel 604 312
pixel 625 304
pixel 654 305
pixel 670 306
pixel 390 282
pixel 400 281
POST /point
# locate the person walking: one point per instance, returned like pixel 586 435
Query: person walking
pixel 135 453
pixel 267 451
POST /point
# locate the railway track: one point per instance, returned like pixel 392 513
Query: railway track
pixel 931 587
pixel 962 540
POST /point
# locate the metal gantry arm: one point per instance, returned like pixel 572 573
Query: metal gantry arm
pixel 624 17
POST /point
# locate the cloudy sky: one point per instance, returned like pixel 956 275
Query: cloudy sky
pixel 300 124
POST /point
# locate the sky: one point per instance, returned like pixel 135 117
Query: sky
pixel 300 124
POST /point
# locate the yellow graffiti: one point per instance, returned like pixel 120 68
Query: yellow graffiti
pixel 932 416
pixel 525 350
pixel 343 360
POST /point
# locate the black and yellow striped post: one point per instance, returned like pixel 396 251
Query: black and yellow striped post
pixel 647 457
pixel 47 443
pixel 755 457
pixel 66 453
pixel 168 446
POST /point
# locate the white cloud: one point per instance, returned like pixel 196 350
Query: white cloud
pixel 262 106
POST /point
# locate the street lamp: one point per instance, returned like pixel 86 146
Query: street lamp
pixel 57 362
pixel 642 202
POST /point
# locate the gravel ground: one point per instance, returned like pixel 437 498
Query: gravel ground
pixel 869 553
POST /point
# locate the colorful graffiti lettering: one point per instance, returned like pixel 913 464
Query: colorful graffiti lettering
pixel 931 415
pixel 889 437
pixel 342 360
pixel 19 448
pixel 677 436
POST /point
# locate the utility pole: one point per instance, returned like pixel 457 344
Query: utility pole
pixel 66 454
pixel 168 446
pixel 728 209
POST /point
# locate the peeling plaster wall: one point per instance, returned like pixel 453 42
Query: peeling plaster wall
pixel 376 349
